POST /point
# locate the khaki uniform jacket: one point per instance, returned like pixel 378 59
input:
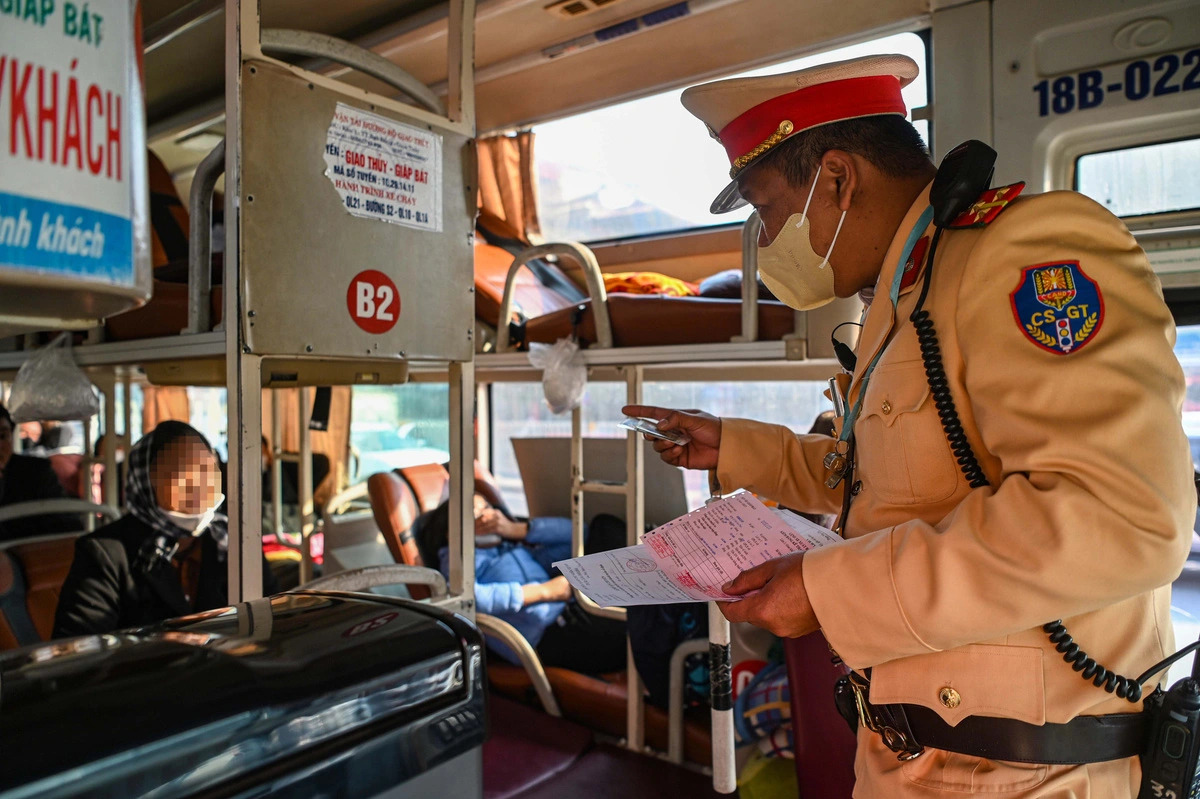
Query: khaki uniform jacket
pixel 1088 516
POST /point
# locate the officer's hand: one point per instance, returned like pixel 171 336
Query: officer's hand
pixel 781 603
pixel 704 429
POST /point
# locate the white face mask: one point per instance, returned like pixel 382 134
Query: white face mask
pixel 194 523
pixel 790 267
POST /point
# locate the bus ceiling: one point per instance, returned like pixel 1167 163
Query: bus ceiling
pixel 535 59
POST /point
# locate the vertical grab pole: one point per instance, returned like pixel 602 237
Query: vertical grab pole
pixel 462 483
pixel 85 464
pixel 243 368
pixel 127 414
pixel 110 441
pixel 576 482
pixel 635 526
pixel 306 487
pixel 276 462
pixel 720 678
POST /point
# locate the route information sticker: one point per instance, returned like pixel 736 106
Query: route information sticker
pixel 68 126
pixel 385 170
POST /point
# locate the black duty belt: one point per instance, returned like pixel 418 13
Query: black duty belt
pixel 909 729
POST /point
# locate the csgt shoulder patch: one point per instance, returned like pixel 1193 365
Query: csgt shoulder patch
pixel 1058 307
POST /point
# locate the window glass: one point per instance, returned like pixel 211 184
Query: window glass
pixel 1152 179
pixel 208 413
pixel 646 166
pixel 519 411
pixel 1185 593
pixel 397 426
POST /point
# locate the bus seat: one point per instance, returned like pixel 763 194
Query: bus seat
pixel 66 468
pixel 600 704
pixel 429 480
pixel 644 320
pixel 428 483
pixel 532 755
pixel 31 578
pixel 526 747
pixel 16 628
pixel 531 296
pixel 824 745
pixel 394 506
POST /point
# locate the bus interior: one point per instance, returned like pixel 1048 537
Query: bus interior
pixel 363 342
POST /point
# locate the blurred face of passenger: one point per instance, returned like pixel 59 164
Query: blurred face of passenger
pixel 31 431
pixel 6 442
pixel 186 477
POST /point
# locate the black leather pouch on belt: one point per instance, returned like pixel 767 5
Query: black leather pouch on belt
pixel 843 697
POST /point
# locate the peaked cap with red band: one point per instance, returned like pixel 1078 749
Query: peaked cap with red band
pixel 750 116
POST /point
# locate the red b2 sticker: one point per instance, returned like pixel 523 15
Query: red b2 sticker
pixel 373 301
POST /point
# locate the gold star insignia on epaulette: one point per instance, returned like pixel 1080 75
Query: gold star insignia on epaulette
pixel 988 206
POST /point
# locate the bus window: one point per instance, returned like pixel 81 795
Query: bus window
pixel 1136 181
pixel 208 413
pixel 393 427
pixel 600 177
pixel 1185 593
pixel 519 411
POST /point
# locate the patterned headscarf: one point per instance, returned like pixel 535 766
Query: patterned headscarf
pixel 143 504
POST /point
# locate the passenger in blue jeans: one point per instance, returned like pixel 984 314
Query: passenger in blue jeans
pixel 515 582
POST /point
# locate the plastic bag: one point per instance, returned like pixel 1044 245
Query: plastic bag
pixel 564 377
pixel 50 387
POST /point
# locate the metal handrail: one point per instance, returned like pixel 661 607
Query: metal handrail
pixel 508 635
pixel 43 507
pixel 340 500
pixel 675 696
pixel 318 45
pixel 586 259
pixel 200 240
pixel 750 233
pixel 368 577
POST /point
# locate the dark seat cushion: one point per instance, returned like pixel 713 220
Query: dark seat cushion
pixel 600 704
pixel 525 748
pixel 608 771
pixel 648 321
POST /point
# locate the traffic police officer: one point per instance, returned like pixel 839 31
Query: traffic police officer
pixel 1056 348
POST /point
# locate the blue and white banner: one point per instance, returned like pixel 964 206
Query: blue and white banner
pixel 65 240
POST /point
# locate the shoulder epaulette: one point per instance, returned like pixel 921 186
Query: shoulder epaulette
pixel 988 206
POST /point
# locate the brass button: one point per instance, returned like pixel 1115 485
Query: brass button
pixel 950 697
pixel 887 407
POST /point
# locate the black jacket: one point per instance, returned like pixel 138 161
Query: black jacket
pixel 104 592
pixel 26 478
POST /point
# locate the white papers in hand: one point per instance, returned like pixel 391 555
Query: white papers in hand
pixel 691 557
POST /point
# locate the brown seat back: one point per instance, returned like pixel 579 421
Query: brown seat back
pixel 395 509
pixel 530 297
pixel 824 745
pixel 37 570
pixel 15 624
pixel 428 483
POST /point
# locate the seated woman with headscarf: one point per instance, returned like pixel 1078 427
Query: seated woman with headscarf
pixel 166 556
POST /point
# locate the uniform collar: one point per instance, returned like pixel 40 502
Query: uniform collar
pixel 881 315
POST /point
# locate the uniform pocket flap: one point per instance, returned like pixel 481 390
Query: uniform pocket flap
pixel 974 680
pixel 895 392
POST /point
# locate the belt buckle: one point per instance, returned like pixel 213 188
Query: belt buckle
pixel 894 732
